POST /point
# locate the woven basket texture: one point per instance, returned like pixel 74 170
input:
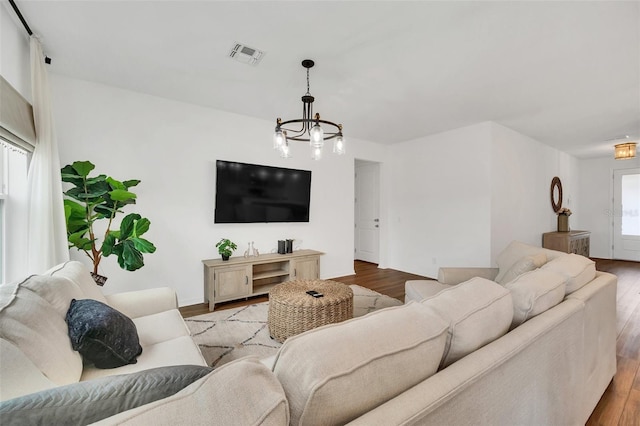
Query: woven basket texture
pixel 292 311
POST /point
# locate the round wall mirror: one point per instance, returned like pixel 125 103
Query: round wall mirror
pixel 556 194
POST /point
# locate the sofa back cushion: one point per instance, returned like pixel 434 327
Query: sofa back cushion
pixel 478 312
pixel 534 292
pixel 525 264
pixel 37 328
pixel 577 270
pixel 79 275
pixel 335 373
pixel 515 251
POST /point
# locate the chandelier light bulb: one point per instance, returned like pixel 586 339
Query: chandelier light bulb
pixel 278 139
pixel 317 136
pixel 338 145
pixel 316 153
pixel 285 152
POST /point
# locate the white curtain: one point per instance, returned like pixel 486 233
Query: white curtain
pixel 47 236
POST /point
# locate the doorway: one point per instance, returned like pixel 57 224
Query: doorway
pixel 626 214
pixel 367 211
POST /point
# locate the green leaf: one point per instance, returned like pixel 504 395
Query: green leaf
pixel 77 240
pixel 92 194
pixel 131 257
pixel 75 216
pixel 70 175
pixel 142 225
pixel 116 184
pixel 143 245
pixel 103 211
pixel 121 195
pixel 127 225
pixel 83 167
pixel 108 243
pixel 130 183
pixel 96 180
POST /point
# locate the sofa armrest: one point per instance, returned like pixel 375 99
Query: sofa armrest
pixel 453 276
pixel 140 303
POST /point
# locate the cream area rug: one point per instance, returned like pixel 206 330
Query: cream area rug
pixel 235 333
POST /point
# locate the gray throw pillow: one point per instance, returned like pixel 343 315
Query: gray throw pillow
pixel 88 402
pixel 102 335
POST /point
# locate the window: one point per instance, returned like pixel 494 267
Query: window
pixel 14 164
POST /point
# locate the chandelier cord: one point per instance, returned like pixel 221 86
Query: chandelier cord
pixel 308 82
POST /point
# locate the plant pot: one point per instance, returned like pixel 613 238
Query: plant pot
pixel 225 257
pixel 99 279
pixel 563 223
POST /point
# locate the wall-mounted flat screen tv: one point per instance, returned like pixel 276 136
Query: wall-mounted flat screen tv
pixel 251 193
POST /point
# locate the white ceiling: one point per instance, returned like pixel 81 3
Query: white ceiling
pixel 564 73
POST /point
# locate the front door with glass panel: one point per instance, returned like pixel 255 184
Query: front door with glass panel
pixel 626 217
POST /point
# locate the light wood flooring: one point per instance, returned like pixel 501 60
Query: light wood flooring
pixel 620 404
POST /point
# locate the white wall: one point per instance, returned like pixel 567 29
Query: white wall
pixel 459 197
pixel 596 193
pixel 172 147
pixel 440 201
pixel 14 52
pixel 522 169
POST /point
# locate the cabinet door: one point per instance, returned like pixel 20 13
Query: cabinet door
pixel 306 268
pixel 232 283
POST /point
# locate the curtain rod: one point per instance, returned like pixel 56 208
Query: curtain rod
pixel 26 26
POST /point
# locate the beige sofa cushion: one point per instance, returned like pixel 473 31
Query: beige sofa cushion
pixel 335 373
pixel 417 290
pixel 577 270
pixel 79 275
pixel 525 264
pixel 515 251
pixel 242 392
pixel 38 329
pixel 534 292
pixel 478 312
pixel 177 351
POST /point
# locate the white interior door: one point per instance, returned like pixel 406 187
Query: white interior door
pixel 367 210
pixel 626 217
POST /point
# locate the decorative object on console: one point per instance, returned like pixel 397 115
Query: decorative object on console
pixel 251 251
pixel 310 130
pixel 556 194
pixel 289 246
pixel 226 248
pixel 282 249
pixel 563 219
pixel 102 197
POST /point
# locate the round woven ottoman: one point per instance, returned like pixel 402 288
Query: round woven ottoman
pixel 292 310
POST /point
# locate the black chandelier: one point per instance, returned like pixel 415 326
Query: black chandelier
pixel 310 130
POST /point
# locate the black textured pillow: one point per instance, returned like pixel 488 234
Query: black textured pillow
pixel 101 334
pixel 88 402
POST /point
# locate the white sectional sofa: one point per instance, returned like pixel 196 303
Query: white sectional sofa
pixel 539 349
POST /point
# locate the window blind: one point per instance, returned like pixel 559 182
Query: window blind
pixel 16 118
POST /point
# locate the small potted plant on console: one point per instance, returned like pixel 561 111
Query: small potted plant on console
pixel 226 247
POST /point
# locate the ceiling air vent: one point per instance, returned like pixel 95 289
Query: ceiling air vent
pixel 246 54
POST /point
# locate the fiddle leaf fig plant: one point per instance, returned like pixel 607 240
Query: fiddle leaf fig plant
pixel 98 198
